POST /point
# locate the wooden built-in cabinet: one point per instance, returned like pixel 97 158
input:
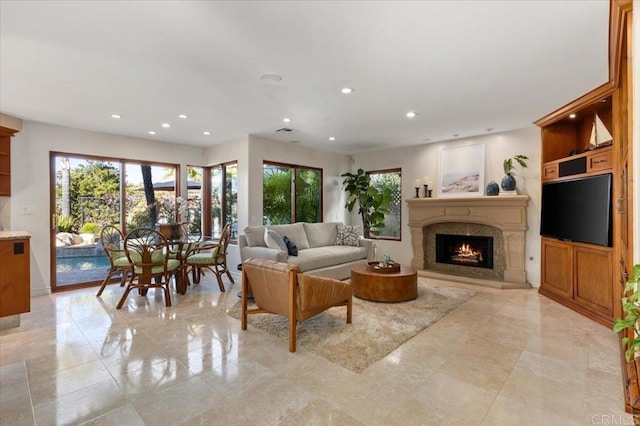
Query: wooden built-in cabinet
pixel 15 283
pixel 579 276
pixel 5 160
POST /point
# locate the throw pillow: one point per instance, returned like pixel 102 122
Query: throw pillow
pixel 273 240
pixel 291 246
pixel 348 235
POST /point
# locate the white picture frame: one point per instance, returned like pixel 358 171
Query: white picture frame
pixel 461 171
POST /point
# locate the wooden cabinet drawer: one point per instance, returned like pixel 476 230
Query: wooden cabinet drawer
pixel 549 171
pixel 600 161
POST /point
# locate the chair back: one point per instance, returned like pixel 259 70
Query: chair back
pixel 112 241
pixel 148 251
pixel 272 284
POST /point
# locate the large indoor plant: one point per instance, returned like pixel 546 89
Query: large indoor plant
pixel 373 203
pixel 508 181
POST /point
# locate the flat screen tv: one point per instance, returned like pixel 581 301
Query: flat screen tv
pixel 578 210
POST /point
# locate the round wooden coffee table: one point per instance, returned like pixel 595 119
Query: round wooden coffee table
pixel 382 287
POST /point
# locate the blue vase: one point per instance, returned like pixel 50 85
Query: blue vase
pixel 508 182
pixel 493 188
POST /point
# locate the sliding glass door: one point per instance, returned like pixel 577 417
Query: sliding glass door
pixel 87 197
pixel 89 193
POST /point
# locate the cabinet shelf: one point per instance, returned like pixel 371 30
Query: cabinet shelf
pixel 581 165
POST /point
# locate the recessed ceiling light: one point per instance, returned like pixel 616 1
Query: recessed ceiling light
pixel 166 125
pixel 604 100
pixel 183 116
pixel 332 138
pixel 572 116
pixel 286 120
pixel 116 116
pixel 411 114
pixel 271 78
pixel 151 132
pixel 206 132
pixel 346 90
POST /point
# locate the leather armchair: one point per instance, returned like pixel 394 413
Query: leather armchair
pixel 280 288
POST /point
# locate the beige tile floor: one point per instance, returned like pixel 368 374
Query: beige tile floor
pixel 503 358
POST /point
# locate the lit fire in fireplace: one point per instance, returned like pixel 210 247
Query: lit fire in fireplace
pixel 466 254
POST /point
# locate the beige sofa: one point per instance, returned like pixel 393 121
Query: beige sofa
pixel 318 253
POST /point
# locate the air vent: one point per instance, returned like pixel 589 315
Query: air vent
pixel 285 130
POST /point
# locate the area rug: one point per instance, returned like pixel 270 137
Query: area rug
pixel 377 328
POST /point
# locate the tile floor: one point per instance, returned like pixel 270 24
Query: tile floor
pixel 503 358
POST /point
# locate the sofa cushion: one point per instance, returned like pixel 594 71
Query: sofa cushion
pixel 255 236
pixel 274 240
pixel 292 249
pixel 348 235
pixel 322 257
pixel 295 232
pixel 321 234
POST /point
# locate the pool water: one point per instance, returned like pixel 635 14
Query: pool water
pixel 66 264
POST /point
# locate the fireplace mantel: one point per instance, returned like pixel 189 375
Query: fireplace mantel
pixel 507 213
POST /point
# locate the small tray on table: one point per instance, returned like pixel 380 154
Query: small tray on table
pixel 392 267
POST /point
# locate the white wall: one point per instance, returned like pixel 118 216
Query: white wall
pixel 30 178
pixel 419 161
pixel 251 151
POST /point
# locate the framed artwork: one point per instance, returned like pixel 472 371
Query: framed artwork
pixel 461 170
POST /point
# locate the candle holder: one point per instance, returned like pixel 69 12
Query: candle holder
pixel 429 193
pixel 417 192
pixel 426 191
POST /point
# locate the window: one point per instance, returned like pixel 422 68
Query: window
pixel 291 194
pixel 224 198
pixel 194 197
pixel 391 179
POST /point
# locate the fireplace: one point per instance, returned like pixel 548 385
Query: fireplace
pixel 503 218
pixel 465 250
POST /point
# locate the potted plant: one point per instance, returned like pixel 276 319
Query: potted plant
pixel 373 203
pixel 631 315
pixel 509 182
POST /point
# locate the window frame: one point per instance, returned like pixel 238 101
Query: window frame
pixel 397 170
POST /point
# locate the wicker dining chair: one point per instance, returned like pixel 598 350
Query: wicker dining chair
pixel 112 241
pixel 148 252
pixel 211 256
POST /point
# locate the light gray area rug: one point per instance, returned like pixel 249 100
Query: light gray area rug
pixel 377 328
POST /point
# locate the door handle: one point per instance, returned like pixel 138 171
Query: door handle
pixel 53 221
pixel 620 206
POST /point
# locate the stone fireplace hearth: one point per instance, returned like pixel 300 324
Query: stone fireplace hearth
pixel 502 218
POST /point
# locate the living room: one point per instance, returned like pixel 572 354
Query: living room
pixel 31 188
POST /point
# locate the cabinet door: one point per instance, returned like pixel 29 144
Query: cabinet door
pixel 594 275
pixel 557 271
pixel 15 283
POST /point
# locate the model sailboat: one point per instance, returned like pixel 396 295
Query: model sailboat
pixel 600 136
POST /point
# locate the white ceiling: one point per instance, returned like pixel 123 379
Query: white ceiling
pixel 463 66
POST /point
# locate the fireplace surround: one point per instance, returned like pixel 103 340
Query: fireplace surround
pixel 505 217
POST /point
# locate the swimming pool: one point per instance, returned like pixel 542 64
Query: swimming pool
pixel 66 264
